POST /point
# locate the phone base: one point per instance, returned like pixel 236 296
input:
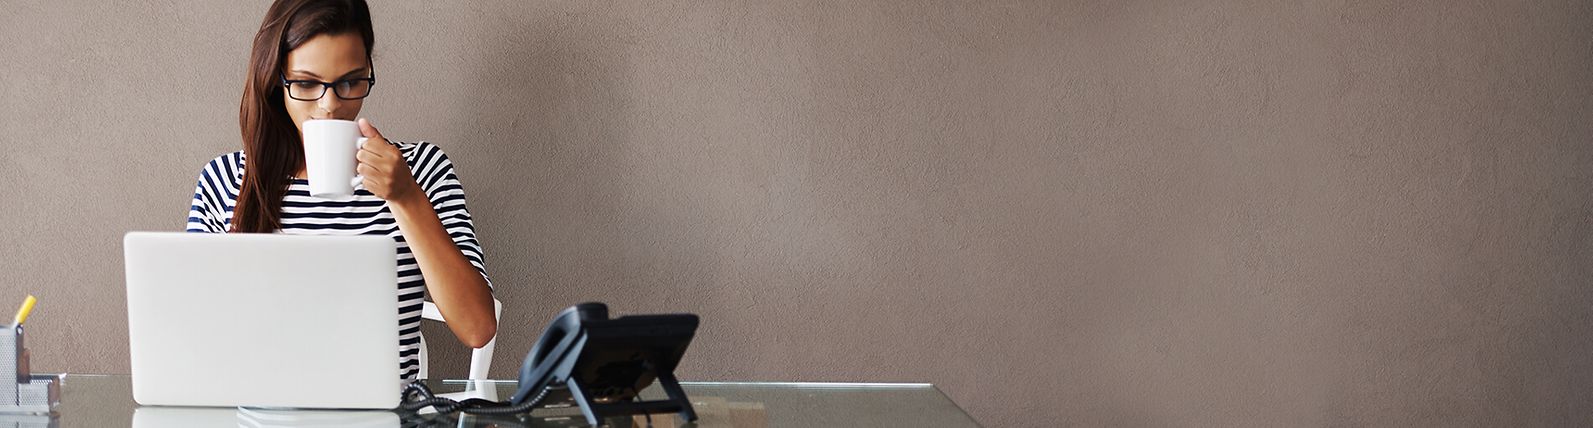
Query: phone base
pixel 595 412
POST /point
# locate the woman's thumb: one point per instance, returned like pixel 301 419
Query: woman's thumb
pixel 368 130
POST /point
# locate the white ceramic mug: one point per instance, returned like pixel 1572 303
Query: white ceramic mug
pixel 329 149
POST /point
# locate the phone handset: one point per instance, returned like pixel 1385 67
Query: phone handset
pixel 553 350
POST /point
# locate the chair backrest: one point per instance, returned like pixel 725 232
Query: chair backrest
pixel 480 358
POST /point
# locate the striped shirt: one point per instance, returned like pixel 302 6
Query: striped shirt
pixel 364 213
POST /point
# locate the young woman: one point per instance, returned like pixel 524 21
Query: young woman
pixel 312 60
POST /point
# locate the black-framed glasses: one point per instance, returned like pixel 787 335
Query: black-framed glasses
pixel 311 90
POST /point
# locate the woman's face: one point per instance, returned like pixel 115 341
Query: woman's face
pixel 326 58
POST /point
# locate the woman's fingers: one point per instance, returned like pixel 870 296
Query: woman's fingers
pixel 366 155
pixel 380 153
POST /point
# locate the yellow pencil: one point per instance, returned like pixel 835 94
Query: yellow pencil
pixel 27 308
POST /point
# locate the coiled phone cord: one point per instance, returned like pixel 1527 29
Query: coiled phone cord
pixel 473 406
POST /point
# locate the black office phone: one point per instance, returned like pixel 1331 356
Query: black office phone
pixel 603 363
pixel 606 362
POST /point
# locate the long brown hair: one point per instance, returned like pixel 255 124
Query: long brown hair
pixel 271 143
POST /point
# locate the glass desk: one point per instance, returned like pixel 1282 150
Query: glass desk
pixel 107 401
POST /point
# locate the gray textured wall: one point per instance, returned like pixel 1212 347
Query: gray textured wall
pixel 1098 213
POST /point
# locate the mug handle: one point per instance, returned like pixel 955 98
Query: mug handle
pixel 355 182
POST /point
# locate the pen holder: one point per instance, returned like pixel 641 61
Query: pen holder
pixel 27 393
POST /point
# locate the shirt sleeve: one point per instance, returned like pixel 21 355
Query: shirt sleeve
pixel 447 195
pixel 205 214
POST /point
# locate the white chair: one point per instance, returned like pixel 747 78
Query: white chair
pixel 480 358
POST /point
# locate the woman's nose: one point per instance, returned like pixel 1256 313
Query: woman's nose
pixel 328 103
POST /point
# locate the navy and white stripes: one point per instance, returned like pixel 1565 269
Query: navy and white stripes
pixel 364 213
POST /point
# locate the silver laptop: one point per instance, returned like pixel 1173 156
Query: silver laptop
pixel 263 320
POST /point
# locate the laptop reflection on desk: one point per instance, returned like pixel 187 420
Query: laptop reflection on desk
pixel 164 416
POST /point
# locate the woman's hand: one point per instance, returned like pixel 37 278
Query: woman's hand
pixel 386 174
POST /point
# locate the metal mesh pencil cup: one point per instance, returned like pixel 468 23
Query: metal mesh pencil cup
pixel 28 393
